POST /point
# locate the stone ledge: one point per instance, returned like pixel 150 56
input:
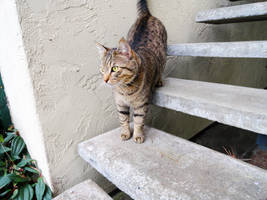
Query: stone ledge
pixel 234 14
pixel 87 190
pixel 237 106
pixel 251 49
pixel 170 168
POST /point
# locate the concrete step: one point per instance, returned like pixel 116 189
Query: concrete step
pixel 233 14
pixel 251 49
pixel 170 168
pixel 87 190
pixel 232 105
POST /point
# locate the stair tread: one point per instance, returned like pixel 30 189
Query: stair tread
pixel 245 49
pixel 237 106
pixel 233 14
pixel 87 190
pixel 168 167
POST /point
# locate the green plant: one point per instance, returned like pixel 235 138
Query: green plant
pixel 20 179
pixel 5 120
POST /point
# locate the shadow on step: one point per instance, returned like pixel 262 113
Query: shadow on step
pixel 238 143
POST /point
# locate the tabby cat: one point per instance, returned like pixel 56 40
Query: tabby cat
pixel 134 68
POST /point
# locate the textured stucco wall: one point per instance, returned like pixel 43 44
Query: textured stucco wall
pixel 72 102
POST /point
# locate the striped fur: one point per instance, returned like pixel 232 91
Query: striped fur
pixel 134 68
pixel 142 8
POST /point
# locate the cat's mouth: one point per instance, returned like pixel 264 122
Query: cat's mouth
pixel 110 83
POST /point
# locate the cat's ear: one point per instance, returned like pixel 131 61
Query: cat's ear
pixel 124 48
pixel 102 50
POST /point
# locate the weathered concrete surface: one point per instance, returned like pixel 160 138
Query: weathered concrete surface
pixel 233 105
pixel 242 13
pixel 88 190
pixel 168 167
pixel 255 49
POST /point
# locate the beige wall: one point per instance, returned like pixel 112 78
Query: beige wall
pixel 71 100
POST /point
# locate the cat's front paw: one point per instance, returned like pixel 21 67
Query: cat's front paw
pixel 139 139
pixel 125 136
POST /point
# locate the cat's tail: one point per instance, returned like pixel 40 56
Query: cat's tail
pixel 142 8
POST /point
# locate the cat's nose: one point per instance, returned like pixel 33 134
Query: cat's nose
pixel 106 78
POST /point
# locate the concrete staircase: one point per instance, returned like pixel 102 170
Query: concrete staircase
pixel 170 168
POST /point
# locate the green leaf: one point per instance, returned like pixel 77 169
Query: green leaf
pixel 1 138
pixel 29 169
pixel 17 179
pixel 27 155
pixel 14 157
pixel 48 194
pixel 4 180
pixel 9 137
pixel 24 162
pixel 15 194
pixel 4 149
pixel 5 192
pixel 11 128
pixel 2 164
pixel 16 168
pixel 40 188
pixel 2 169
pixel 26 193
pixel 17 145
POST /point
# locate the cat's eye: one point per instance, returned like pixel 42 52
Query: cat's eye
pixel 114 68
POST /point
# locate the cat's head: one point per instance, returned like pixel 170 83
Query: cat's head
pixel 119 66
